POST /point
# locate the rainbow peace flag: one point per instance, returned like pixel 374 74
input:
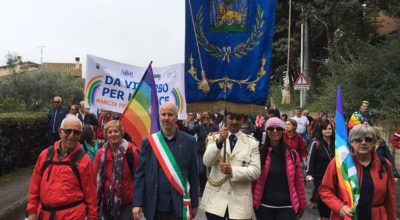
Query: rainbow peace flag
pixel 354 120
pixel 345 167
pixel 140 117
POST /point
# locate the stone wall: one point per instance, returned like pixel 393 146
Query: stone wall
pixel 387 131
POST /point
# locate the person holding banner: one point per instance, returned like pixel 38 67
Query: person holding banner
pixel 234 161
pixel 166 179
pixel 376 181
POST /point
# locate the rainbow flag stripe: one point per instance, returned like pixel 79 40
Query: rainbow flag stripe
pixel 140 117
pixel 91 89
pixel 345 167
pixel 354 121
pixel 178 99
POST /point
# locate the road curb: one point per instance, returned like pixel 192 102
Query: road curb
pixel 13 206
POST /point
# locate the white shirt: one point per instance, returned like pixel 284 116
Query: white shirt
pixel 237 134
pixel 302 124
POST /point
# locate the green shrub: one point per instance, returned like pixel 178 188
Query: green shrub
pixel 34 91
pixel 373 74
pixel 22 138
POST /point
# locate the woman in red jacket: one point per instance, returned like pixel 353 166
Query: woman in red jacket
pixel 375 177
pixel 279 191
pixel 395 139
pixel 294 140
pixel 114 165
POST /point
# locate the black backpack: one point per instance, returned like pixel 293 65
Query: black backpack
pixel 293 155
pixel 383 165
pixel 129 160
pixel 76 157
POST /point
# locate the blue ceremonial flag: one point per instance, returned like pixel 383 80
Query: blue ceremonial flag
pixel 228 50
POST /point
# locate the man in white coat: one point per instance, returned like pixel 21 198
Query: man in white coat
pixel 228 190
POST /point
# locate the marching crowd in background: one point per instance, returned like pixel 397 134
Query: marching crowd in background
pixel 238 164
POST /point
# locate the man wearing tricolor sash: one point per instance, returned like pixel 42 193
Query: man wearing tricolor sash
pixel 228 190
pixel 166 179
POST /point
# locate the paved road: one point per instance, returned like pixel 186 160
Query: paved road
pixel 14 196
pixel 309 214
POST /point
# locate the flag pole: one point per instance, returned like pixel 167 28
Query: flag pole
pixel 286 92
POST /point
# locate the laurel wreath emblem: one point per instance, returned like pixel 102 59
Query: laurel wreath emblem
pixel 239 50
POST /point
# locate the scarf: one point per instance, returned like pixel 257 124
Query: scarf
pixel 115 188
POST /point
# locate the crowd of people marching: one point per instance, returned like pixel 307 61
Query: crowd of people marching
pixel 238 164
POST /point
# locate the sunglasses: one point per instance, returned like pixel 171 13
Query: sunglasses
pixel 367 139
pixel 57 102
pixel 271 129
pixel 69 131
pixel 206 117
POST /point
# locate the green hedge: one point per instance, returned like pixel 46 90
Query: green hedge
pixel 22 138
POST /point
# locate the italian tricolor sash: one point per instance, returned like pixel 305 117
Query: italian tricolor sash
pixel 172 171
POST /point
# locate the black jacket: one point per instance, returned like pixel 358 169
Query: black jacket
pixel 321 155
pixel 383 151
pixel 201 131
pixel 90 119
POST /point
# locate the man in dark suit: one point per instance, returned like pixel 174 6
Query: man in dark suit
pixel 153 191
pixel 56 115
pixel 86 117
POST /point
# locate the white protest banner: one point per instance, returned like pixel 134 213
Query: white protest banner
pixel 109 84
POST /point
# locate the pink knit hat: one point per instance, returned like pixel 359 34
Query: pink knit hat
pixel 274 121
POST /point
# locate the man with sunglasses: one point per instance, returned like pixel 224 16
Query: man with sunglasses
pixel 56 115
pixel 201 130
pixel 62 185
pixel 234 160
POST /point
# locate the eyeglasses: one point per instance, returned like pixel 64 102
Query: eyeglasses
pixel 206 117
pixel 271 129
pixel 56 102
pixel 69 131
pixel 367 139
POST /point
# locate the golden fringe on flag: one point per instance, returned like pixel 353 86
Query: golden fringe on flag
pixel 219 105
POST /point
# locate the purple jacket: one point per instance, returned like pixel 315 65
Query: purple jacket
pixel 295 180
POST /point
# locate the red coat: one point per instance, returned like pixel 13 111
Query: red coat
pixel 295 181
pixel 100 127
pixel 296 142
pixel 62 187
pixel 127 179
pixel 384 190
pixel 395 140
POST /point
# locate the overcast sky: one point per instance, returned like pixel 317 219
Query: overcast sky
pixel 129 31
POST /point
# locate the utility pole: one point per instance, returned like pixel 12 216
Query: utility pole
pixel 41 53
pixel 306 60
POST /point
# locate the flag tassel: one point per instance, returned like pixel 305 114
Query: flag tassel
pixel 204 84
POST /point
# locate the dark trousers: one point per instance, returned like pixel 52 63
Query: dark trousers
pixel 210 216
pixel 324 211
pixel 170 215
pixel 53 137
pixel 125 213
pixel 202 171
pixel 275 214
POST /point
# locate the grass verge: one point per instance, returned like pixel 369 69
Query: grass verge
pixel 11 176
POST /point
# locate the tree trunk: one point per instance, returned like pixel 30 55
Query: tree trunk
pixel 329 36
